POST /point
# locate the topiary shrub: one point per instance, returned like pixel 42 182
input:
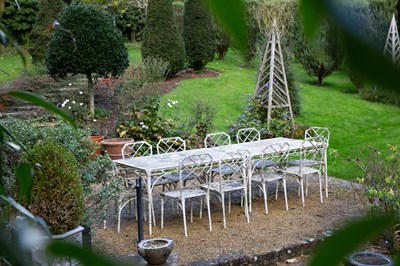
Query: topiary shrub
pixel 198 34
pixel 222 41
pixel 57 190
pixel 161 38
pixel 19 21
pixel 42 30
pixel 86 42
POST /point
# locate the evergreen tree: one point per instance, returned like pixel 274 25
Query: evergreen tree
pixel 86 42
pixel 198 34
pixel 161 38
pixel 42 29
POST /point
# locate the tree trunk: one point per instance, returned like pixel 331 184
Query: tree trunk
pixel 90 92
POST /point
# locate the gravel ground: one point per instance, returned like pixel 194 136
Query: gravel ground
pixel 265 232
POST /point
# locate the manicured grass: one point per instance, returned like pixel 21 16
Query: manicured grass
pixel 226 93
pixel 12 65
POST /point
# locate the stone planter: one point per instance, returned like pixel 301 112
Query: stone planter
pixel 365 258
pixel 114 146
pixel 156 250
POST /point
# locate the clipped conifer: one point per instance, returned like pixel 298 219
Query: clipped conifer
pixel 161 38
pixel 198 34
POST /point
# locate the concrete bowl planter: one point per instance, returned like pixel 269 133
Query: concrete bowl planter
pixel 156 250
pixel 365 258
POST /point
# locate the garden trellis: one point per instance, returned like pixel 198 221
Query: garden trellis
pixel 392 46
pixel 271 83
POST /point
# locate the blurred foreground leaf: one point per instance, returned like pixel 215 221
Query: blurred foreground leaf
pixel 312 13
pixel 335 248
pixel 232 16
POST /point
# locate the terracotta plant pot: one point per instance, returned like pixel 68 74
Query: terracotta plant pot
pixel 114 146
pixel 96 140
pixel 156 250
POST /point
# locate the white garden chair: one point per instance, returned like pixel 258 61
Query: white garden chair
pixel 233 170
pixel 168 145
pixel 198 166
pixel 277 155
pixel 310 162
pixel 217 139
pixel 247 135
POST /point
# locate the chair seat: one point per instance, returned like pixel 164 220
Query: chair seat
pixel 295 170
pixel 266 177
pixel 304 162
pixel 226 169
pixel 159 181
pixel 225 186
pixel 261 163
pixel 188 192
pixel 174 177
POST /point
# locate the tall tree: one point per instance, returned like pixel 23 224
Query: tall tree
pixel 198 34
pixel 161 38
pixel 42 29
pixel 86 42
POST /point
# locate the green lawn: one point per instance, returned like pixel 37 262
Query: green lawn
pixel 12 65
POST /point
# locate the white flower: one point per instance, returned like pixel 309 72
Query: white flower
pixel 73 102
pixel 94 120
pixel 69 84
pixel 62 105
pixel 80 92
pixel 81 104
pixel 169 105
pixel 66 100
pixel 141 123
pixel 69 107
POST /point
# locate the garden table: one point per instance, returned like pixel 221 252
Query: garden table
pixel 154 166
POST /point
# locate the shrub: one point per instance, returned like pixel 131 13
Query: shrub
pixel 93 173
pixel 42 31
pixel 19 21
pixel 130 21
pixel 222 41
pixel 57 190
pixel 79 47
pixel 198 34
pixel 161 38
pixel 321 57
pixel 144 123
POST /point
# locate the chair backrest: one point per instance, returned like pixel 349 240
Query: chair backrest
pixel 311 152
pixel 169 145
pixel 319 134
pixel 136 149
pixel 274 158
pixel 197 168
pixel 217 139
pixel 234 165
pixel 247 135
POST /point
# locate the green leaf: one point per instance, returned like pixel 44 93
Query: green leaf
pixel 86 257
pixel 232 16
pixel 335 248
pixel 312 13
pixel 32 98
pixel 25 174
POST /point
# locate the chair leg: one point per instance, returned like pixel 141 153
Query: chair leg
pixel 229 202
pixel 184 216
pixel 209 211
pixel 264 188
pixel 250 196
pixel 306 185
pixel 302 191
pixel 191 211
pixel 162 212
pixel 201 207
pixel 223 208
pixel 285 194
pixel 246 205
pixel 320 188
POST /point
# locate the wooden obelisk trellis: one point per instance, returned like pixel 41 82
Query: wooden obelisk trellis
pixel 271 83
pixel 392 46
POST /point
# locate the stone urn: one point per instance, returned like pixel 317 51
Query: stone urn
pixel 365 258
pixel 114 146
pixel 156 250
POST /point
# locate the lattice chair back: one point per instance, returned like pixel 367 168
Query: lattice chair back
pixel 274 158
pixel 136 149
pixel 319 134
pixel 247 135
pixel 217 139
pixel 311 155
pixel 194 170
pixel 233 165
pixel 169 145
